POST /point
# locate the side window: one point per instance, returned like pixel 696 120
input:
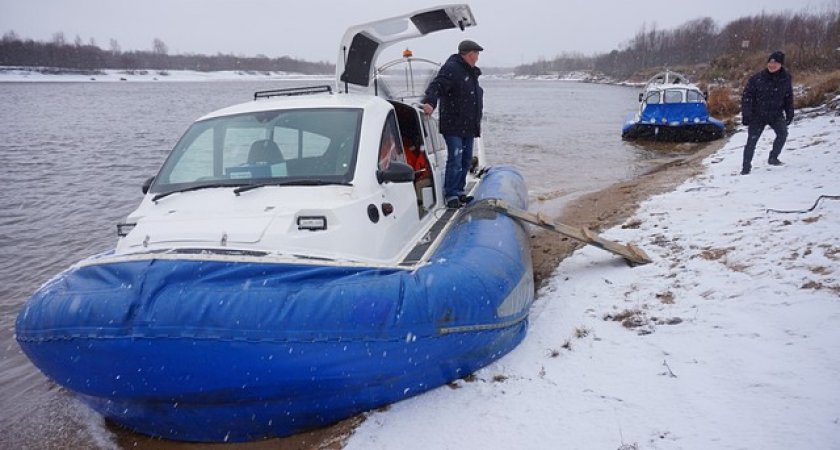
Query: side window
pixel 693 97
pixel 673 96
pixel 653 98
pixel 297 144
pixel 390 146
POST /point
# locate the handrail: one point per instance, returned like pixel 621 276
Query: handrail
pixel 307 90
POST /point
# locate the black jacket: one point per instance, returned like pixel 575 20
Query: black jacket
pixel 461 98
pixel 767 96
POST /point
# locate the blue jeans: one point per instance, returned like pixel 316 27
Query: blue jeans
pixel 459 151
pixel 754 131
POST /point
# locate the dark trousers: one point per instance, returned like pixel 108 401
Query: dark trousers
pixel 458 159
pixel 754 131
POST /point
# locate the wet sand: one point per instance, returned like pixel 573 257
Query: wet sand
pixel 329 438
pixel 606 208
pixel 597 211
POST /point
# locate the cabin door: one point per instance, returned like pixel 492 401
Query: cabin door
pixel 420 147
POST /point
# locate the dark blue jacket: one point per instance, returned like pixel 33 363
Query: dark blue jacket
pixel 461 98
pixel 767 96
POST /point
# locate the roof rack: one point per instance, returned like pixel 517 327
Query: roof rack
pixel 293 91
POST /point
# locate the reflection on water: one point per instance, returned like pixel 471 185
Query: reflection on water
pixel 74 155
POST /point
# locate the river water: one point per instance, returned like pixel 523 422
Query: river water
pixel 74 155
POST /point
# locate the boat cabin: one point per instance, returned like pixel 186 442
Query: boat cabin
pixel 351 174
pixel 670 99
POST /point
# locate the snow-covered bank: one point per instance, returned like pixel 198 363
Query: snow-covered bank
pixel 574 75
pixel 728 340
pixel 47 74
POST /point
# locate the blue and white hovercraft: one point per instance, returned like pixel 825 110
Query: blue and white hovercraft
pixel 283 273
pixel 672 109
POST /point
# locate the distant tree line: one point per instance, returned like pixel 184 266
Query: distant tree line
pixel 811 40
pixel 81 56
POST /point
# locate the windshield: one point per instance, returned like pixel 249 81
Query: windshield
pixel 674 96
pixel 264 147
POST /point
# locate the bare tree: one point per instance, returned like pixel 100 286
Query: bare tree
pixel 58 38
pixel 114 46
pixel 159 47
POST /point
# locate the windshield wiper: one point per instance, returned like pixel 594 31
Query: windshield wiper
pixel 187 189
pixel 304 182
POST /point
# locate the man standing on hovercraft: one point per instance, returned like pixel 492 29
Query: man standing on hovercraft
pixel 461 103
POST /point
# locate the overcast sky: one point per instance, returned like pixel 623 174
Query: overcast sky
pixel 511 31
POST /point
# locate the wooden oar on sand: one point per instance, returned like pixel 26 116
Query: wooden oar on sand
pixel 631 253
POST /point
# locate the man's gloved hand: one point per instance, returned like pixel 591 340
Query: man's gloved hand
pixel 789 120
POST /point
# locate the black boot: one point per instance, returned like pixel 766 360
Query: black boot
pixel 745 169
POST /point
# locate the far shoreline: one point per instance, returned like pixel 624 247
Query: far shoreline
pixel 16 74
pixel 39 74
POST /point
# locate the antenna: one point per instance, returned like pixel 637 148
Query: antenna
pixel 346 85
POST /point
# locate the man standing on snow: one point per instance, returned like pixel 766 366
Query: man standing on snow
pixel 767 100
pixel 461 105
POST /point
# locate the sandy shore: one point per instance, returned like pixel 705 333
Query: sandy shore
pixel 609 207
